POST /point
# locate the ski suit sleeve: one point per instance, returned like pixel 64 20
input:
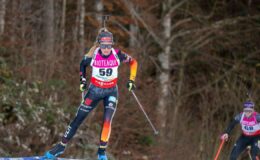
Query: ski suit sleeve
pixel 125 58
pixel 235 121
pixel 87 60
pixel 83 64
pixel 258 117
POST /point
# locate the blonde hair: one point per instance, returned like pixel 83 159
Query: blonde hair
pixel 92 50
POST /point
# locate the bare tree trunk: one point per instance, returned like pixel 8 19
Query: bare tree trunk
pixel 49 27
pixel 2 16
pixel 14 20
pixel 49 34
pixel 99 9
pixel 133 36
pixel 178 99
pixel 164 75
pixel 76 28
pixel 81 26
pixel 63 21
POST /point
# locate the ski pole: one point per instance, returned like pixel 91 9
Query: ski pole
pixel 82 96
pixel 141 107
pixel 219 149
pixel 248 151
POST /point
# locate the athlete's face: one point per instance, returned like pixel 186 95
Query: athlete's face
pixel 106 47
pixel 248 112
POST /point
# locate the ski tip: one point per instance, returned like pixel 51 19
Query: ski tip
pixel 22 158
pixel 35 158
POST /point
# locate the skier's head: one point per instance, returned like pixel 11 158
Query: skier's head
pixel 249 107
pixel 105 36
pixel 105 40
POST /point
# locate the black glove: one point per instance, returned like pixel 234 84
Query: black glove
pixel 130 85
pixel 83 84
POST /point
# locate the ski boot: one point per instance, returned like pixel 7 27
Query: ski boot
pixel 102 157
pixel 57 150
pixel 102 154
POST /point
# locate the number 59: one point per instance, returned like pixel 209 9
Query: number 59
pixel 107 72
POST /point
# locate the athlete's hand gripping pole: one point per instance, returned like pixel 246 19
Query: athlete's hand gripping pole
pixel 141 107
pixel 219 149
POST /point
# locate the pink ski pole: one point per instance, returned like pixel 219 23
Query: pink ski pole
pixel 219 149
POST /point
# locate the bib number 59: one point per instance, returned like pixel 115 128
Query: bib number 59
pixel 105 72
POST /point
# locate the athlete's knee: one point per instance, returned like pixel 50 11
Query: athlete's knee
pixel 235 153
pixel 112 99
pixel 112 102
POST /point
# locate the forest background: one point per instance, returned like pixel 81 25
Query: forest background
pixel 198 62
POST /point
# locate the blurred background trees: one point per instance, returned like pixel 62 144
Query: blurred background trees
pixel 198 61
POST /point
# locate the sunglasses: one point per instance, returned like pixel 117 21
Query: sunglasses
pixel 248 111
pixel 104 46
